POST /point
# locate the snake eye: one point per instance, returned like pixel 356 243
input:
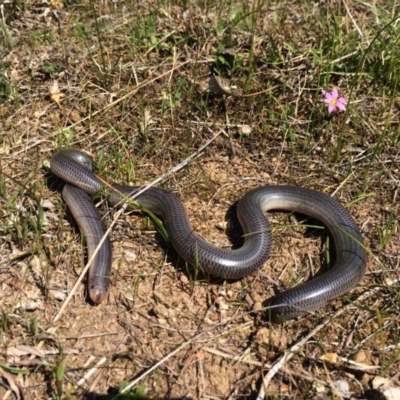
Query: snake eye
pixel 83 159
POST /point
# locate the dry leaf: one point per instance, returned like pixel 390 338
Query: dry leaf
pixel 55 94
pixel 219 85
pixel 222 304
pixel 56 5
pixel 9 382
pixel 379 382
pixel 392 393
pixel 146 121
pixel 28 305
pixel 331 358
pixel 18 351
pixel 58 295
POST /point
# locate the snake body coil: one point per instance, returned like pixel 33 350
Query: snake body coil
pixel 73 167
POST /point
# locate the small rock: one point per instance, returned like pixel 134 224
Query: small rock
pixel 130 256
pixel 245 130
pixel 392 393
pixel 379 382
pixel 343 388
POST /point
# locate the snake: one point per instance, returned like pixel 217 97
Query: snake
pixel 78 171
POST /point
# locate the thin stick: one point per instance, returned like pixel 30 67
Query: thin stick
pixel 303 374
pixel 279 364
pixel 155 366
pixel 83 273
pixel 352 19
pixel 290 353
pixel 183 164
pixel 172 353
pixel 91 371
pixel 260 92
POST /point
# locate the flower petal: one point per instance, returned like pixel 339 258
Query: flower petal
pixel 327 101
pixel 323 92
pixel 328 96
pixel 342 100
pixel 341 106
pixel 335 93
pixel 331 108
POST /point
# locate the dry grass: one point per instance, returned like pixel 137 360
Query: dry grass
pixel 131 77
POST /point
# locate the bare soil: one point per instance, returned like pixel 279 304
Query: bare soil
pixel 208 338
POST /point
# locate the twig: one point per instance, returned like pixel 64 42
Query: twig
pixel 172 353
pixel 156 365
pixel 83 273
pixel 303 375
pixel 91 372
pixel 352 19
pixel 278 365
pixel 93 335
pixel 260 92
pixel 290 353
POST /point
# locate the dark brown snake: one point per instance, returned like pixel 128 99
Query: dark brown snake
pixel 74 167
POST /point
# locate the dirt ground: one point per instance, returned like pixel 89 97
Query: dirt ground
pixel 85 76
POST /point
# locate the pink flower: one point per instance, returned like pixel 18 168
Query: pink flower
pixel 334 101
